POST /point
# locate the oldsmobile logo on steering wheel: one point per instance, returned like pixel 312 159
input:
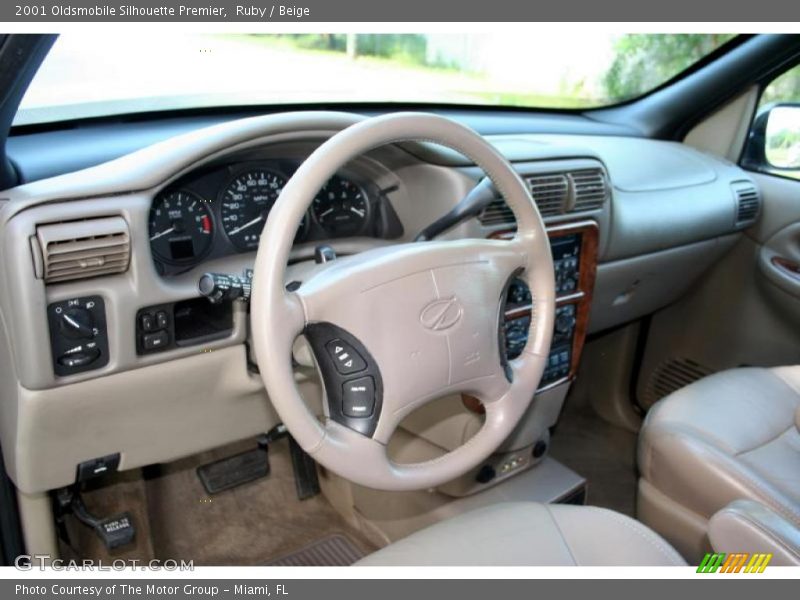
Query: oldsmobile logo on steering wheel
pixel 441 314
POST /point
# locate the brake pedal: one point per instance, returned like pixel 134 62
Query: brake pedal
pixel 235 470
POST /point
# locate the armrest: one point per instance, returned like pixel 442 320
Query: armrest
pixel 749 526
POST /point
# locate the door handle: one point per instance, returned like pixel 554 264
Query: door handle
pixel 788 267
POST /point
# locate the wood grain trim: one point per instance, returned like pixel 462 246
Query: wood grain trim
pixel 587 271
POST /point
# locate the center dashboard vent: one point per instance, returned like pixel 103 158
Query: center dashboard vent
pixel 81 249
pixel 555 194
pixel 589 189
pixel 550 193
pixel 748 202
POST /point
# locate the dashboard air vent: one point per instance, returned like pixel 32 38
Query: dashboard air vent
pixel 497 213
pixel 82 249
pixel 590 190
pixel 555 194
pixel 550 192
pixel 748 202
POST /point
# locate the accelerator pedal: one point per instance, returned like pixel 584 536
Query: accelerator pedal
pixel 305 471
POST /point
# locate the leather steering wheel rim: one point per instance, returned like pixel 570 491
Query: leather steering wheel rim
pixel 425 315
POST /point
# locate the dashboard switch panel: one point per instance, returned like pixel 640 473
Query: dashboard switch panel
pixel 154 331
pixel 78 335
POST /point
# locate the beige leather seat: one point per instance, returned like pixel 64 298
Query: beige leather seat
pixel 527 533
pixel 732 435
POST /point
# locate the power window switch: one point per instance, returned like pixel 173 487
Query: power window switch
pixel 358 397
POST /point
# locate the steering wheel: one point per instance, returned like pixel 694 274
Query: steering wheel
pixel 396 327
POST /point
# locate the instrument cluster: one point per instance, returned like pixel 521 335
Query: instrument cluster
pixel 222 210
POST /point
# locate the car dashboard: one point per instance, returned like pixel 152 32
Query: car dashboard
pixel 109 347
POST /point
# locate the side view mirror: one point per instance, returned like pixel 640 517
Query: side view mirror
pixel 775 139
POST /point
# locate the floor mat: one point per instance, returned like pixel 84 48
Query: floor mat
pixel 252 524
pixel 333 551
pixel 604 454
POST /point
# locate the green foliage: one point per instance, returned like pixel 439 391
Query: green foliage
pixel 785 88
pixel 403 47
pixel 645 61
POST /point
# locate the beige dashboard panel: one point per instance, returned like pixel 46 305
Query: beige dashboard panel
pixel 149 415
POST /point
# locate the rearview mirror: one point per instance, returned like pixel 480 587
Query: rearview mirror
pixel 775 139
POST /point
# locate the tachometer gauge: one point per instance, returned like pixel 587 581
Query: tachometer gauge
pixel 180 227
pixel 341 208
pixel 245 204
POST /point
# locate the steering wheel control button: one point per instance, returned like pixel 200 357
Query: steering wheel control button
pixel 358 397
pixel 345 357
pixel 352 378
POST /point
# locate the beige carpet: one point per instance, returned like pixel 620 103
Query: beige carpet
pixel 254 524
pixel 602 453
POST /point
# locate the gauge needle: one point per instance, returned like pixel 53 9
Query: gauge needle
pixel 163 233
pixel 246 225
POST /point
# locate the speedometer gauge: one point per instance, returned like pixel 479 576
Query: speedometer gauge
pixel 245 204
pixel 180 227
pixel 341 207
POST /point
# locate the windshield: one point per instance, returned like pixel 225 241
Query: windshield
pixel 90 76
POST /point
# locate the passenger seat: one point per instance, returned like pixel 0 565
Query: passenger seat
pixel 730 436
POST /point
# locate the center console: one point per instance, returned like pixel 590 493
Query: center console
pixel 574 248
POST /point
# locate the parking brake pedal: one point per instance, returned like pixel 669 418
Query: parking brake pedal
pixel 115 531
